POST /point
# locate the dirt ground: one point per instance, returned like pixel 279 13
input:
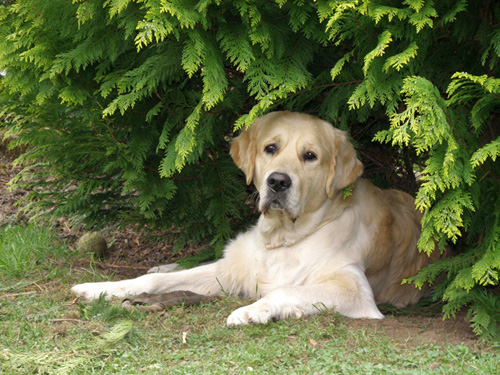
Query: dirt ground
pixel 132 254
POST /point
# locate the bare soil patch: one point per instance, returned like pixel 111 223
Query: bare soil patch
pixel 132 253
pixel 416 330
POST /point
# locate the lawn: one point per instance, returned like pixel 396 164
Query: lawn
pixel 44 329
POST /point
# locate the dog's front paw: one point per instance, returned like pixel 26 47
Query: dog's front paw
pixel 258 313
pixel 93 291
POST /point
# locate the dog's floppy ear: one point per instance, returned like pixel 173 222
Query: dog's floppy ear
pixel 345 167
pixel 244 149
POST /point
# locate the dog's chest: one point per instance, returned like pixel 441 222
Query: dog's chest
pixel 284 266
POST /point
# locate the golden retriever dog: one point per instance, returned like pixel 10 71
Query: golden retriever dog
pixel 314 247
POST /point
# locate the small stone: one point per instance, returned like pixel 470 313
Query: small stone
pixel 93 243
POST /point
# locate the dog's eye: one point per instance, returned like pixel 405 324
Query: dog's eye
pixel 310 156
pixel 271 149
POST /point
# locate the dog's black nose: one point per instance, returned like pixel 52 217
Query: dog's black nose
pixel 278 182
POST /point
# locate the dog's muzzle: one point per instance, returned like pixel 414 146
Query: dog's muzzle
pixel 276 197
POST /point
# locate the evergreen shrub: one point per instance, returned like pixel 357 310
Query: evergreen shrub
pixel 128 108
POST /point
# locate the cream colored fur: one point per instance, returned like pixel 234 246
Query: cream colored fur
pixel 312 249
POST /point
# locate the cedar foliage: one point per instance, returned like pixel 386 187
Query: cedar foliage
pixel 128 106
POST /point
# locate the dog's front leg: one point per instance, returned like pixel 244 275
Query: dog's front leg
pixel 201 280
pixel 347 291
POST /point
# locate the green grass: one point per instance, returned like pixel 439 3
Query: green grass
pixel 44 330
pixel 23 248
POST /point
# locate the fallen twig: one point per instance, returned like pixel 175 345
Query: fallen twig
pixel 116 265
pixel 17 294
pixel 66 320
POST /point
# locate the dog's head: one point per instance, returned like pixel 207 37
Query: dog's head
pixel 296 161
